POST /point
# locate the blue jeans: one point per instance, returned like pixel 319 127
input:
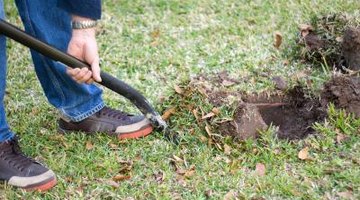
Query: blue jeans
pixel 43 20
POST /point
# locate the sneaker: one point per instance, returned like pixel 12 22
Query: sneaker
pixel 110 121
pixel 21 171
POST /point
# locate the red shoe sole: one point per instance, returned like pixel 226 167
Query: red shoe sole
pixel 137 134
pixel 43 187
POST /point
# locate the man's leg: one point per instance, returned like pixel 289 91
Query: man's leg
pixel 81 105
pixel 15 168
pixel 45 21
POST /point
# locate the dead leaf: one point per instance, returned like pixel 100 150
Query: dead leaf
pixel 304 153
pixel 155 33
pixel 278 40
pixel 178 89
pixel 215 110
pixel 345 194
pixel 209 115
pixel 159 177
pixel 208 131
pixel 125 169
pixel 231 195
pixel 203 138
pixel 180 171
pixel 260 169
pixel 121 177
pixel 112 183
pixel 166 115
pixel 89 145
pixel 227 149
pixel 340 137
pixel 209 193
pixel 177 159
pixel 113 146
pixel 305 29
pixel 190 172
pixel 195 113
pixel 227 83
pixel 286 62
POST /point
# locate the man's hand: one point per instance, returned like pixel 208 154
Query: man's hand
pixel 84 47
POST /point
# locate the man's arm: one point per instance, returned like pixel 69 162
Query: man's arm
pixel 83 43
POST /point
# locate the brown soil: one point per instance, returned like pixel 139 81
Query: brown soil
pixel 292 113
pixel 344 92
pixel 351 48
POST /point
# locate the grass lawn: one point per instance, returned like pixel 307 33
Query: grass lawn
pixel 154 45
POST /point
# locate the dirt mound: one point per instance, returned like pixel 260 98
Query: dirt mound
pixel 344 92
pixel 329 41
pixel 293 114
pixel 351 48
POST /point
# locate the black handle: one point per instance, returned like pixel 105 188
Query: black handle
pixel 108 80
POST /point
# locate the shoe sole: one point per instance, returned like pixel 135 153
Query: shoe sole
pixel 136 134
pixel 43 187
pixel 145 131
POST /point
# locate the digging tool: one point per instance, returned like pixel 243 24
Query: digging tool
pixel 108 80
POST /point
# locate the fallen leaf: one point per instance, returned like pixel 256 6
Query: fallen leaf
pixel 125 169
pixel 304 153
pixel 112 183
pixel 180 171
pixel 113 146
pixel 278 40
pixel 177 159
pixel 89 145
pixel 227 149
pixel 121 177
pixel 305 29
pixel 345 194
pixel 208 131
pixel 166 115
pixel 227 83
pixel 260 169
pixel 155 33
pixel 190 172
pixel 178 89
pixel 215 110
pixel 203 138
pixel 340 137
pixel 286 62
pixel 159 177
pixel 230 195
pixel 209 193
pixel 209 115
pixel 195 113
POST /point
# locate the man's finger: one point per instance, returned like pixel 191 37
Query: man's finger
pixel 95 67
pixel 72 72
pixel 83 71
pixel 86 77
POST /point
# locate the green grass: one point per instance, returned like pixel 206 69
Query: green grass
pixel 156 44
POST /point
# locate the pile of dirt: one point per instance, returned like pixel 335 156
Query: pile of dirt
pixel 332 40
pixel 344 93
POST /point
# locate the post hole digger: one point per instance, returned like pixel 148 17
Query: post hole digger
pixel 108 80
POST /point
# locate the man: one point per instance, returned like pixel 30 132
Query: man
pixel 70 26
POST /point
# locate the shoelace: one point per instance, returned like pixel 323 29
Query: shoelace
pixel 13 155
pixel 109 112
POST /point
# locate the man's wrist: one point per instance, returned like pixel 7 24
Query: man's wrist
pixel 78 22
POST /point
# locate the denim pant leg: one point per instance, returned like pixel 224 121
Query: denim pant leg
pixel 5 132
pixel 45 21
